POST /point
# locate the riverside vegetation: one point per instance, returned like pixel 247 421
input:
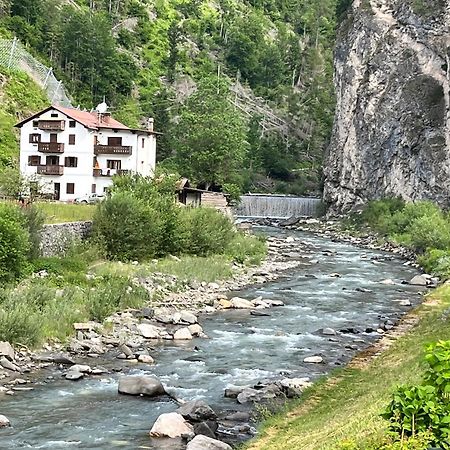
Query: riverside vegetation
pixel 41 298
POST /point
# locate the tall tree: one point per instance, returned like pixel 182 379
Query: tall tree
pixel 210 136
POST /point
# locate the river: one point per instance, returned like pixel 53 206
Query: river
pixel 242 349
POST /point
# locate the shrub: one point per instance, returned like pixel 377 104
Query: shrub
pixel 436 262
pixel 127 228
pixel 430 231
pixel 20 322
pixel 245 249
pixel 425 407
pixel 14 243
pixel 208 231
pixel 112 295
pixel 34 219
pixel 378 214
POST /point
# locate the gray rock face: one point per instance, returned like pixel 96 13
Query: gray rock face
pixel 171 425
pixel 201 442
pixel 141 385
pixel 7 350
pixel 391 135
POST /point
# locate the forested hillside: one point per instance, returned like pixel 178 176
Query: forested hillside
pixel 270 61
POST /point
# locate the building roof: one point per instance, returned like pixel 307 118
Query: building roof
pixel 91 120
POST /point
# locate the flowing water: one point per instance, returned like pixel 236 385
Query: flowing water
pixel 242 349
pixel 278 207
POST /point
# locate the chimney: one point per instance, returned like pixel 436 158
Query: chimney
pixel 150 123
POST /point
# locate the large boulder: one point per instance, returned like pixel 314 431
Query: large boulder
pixel 141 385
pixel 188 317
pixel 182 334
pixel 419 280
pixel 172 425
pixel 241 303
pixel 250 395
pixel 197 411
pixel 294 387
pixel 7 350
pixel 148 330
pixel 201 442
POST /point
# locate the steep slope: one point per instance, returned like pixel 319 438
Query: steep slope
pixel 391 134
pixel 19 97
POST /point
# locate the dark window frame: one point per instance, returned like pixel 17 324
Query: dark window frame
pixel 34 138
pixel 72 139
pixel 70 188
pixel 70 161
pixel 34 160
pixel 72 123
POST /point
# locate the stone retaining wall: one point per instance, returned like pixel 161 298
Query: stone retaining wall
pixel 57 238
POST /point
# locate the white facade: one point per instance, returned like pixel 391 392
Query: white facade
pixel 73 153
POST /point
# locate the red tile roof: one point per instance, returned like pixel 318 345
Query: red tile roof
pixel 91 119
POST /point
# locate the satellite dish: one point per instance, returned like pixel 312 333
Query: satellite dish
pixel 102 108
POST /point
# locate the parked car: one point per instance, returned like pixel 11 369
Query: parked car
pixel 91 198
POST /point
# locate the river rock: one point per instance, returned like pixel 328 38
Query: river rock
pixel 207 428
pixel 148 331
pixel 201 442
pixel 274 303
pixel 259 313
pixel 141 385
pixel 313 360
pixel 146 359
pixel 7 350
pixel 188 317
pixel 405 303
pixel 172 425
pixel 419 280
pixel 195 329
pixel 182 334
pixel 4 421
pixel 257 395
pixel 241 303
pixel 294 386
pixel 74 375
pixel 388 282
pixel 225 304
pixel 126 350
pixel 7 364
pixel 328 332
pixel 197 411
pixel 84 368
pixel 234 391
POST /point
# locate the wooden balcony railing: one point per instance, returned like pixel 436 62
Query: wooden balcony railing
pixel 109 172
pixel 50 170
pixel 50 147
pixel 52 125
pixel 112 150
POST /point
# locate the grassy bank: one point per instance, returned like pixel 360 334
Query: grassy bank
pixel 342 412
pixel 66 212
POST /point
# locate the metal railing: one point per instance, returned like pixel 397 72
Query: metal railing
pixel 13 56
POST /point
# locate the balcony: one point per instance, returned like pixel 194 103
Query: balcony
pixel 109 172
pixel 112 150
pixel 51 125
pixel 50 147
pixel 50 170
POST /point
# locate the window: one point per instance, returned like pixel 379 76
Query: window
pixel 114 164
pixel 105 189
pixel 70 161
pixel 143 142
pixel 35 123
pixel 52 160
pixel 93 189
pixel 53 137
pixel 72 124
pixel 115 141
pixel 70 188
pixel 54 114
pixel 35 138
pixel 34 160
pixel 71 139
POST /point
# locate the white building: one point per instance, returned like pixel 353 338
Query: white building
pixel 74 153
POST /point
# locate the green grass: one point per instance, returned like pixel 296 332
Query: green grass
pixel 342 412
pixel 66 212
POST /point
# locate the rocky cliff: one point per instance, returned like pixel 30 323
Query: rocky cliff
pixel 391 135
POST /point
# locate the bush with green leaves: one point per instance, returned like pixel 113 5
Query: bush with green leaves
pixel 436 262
pixel 425 407
pixel 127 228
pixel 14 243
pixel 208 231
